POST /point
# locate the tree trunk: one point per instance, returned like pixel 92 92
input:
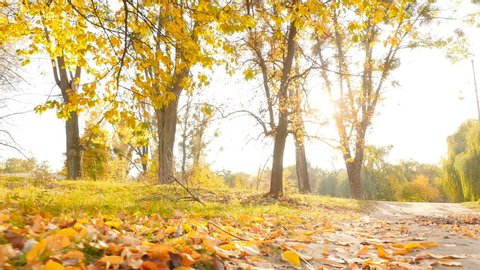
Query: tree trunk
pixel 301 167
pixel 144 159
pixel 73 147
pixel 166 127
pixel 354 171
pixel 276 182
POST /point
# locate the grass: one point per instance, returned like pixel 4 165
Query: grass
pixel 472 205
pixel 107 197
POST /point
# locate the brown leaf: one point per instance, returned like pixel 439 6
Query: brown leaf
pixel 16 239
pixel 175 260
pixel 68 224
pixel 217 264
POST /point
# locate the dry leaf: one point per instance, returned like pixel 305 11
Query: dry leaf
pixel 291 257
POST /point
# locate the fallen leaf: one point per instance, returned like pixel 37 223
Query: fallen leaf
pixel 51 265
pixel 291 257
pixel 383 254
pixel 330 263
pixel 450 263
pixel 112 259
pixel 16 239
pixel 363 251
pixel 37 249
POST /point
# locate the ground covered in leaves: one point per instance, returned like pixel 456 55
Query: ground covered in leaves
pixel 104 225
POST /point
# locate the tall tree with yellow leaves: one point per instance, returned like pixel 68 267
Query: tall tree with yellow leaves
pixel 357 53
pixel 52 28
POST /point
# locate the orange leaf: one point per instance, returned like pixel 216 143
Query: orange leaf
pixel 383 254
pixel 75 254
pixel 57 241
pixel 112 259
pixel 148 265
pixel 187 260
pixel 38 249
pixel 51 265
pixel 363 251
pixel 161 251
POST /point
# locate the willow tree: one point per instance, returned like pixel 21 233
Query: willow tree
pixel 53 28
pixel 462 166
pixel 357 54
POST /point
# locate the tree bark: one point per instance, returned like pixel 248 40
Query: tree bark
pixel 354 171
pixel 166 127
pixel 301 167
pixel 276 181
pixel 73 147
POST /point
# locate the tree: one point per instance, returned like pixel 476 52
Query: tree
pixel 53 28
pixel 9 77
pixel 377 29
pixel 462 166
pixel 96 152
pixel 273 46
pixel 195 120
pixel 166 44
pixel 17 165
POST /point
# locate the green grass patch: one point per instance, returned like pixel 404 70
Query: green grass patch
pixel 472 205
pixel 107 197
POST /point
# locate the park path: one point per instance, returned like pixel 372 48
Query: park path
pixel 453 227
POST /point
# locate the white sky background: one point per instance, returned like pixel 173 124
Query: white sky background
pixel 415 118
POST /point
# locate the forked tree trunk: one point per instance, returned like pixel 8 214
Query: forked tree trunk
pixel 73 147
pixel 166 127
pixel 301 167
pixel 68 84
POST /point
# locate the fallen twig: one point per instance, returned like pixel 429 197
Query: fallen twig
pixel 227 232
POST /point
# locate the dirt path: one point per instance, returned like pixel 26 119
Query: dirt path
pixel 402 210
pixel 399 236
pixel 454 226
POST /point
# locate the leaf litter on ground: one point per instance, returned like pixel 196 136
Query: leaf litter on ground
pixel 33 238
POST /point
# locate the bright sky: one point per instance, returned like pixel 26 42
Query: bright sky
pixel 415 118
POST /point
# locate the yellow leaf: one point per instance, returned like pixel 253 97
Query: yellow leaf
pixel 112 259
pixel 38 249
pixel 67 232
pixel 229 246
pixel 113 224
pixel 291 257
pixel 170 230
pixel 383 254
pixel 325 251
pixel 51 265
